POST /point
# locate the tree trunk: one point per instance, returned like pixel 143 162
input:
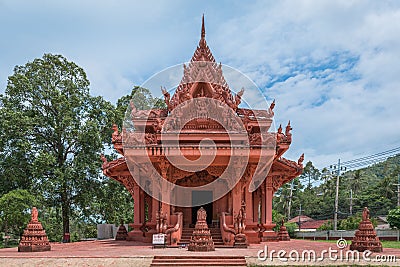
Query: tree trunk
pixel 65 214
pixel 6 233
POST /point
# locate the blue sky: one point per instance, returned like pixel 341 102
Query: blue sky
pixel 332 66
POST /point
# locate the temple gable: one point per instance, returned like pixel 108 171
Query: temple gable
pixel 203 77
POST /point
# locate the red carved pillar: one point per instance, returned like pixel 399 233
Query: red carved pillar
pixel 230 200
pixel 138 201
pixel 166 192
pixel 250 232
pixel 136 205
pixel 269 234
pixel 166 209
pixel 248 198
pixel 136 234
pixel 269 194
pixel 263 203
pixel 256 203
pixel 155 208
pixel 236 199
pixel 142 206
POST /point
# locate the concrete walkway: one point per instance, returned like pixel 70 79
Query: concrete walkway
pixel 123 253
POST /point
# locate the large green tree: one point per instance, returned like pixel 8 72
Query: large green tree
pixel 310 174
pixel 14 211
pixel 394 218
pixel 142 99
pixel 57 130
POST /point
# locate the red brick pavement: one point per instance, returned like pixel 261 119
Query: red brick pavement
pixel 123 249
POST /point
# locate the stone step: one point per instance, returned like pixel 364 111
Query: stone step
pixel 215 233
pixel 187 240
pixel 212 230
pixel 197 257
pixel 190 234
pixel 218 244
pixel 198 261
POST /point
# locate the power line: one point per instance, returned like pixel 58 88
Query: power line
pixel 369 160
pixel 391 151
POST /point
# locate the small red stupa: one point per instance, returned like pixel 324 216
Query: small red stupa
pixel 34 238
pixel 283 234
pixel 201 238
pixel 365 237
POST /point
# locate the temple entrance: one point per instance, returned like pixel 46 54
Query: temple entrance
pixel 201 197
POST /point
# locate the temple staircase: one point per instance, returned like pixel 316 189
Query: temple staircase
pixel 215 233
pixel 197 260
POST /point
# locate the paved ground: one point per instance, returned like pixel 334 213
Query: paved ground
pixel 122 253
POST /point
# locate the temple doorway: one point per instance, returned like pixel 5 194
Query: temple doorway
pixel 201 197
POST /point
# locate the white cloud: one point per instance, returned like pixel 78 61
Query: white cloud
pixel 340 52
pixel 332 66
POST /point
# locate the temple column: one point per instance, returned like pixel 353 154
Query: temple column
pixel 165 206
pixel 166 209
pixel 166 191
pixel 248 198
pixel 268 234
pixel 236 199
pixel 230 200
pixel 251 234
pixel 136 234
pixel 263 209
pixel 269 193
pixel 136 205
pixel 138 209
pixel 256 203
pixel 155 207
pixel 142 207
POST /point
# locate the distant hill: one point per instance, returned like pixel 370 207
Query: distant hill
pixel 314 192
pixel 374 186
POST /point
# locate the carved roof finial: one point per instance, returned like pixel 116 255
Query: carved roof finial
pixel 271 107
pixel 288 133
pixel 300 160
pixel 203 29
pixel 34 214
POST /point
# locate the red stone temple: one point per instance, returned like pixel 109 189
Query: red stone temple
pixel 240 216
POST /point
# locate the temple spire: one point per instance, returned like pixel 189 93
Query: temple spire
pixel 203 29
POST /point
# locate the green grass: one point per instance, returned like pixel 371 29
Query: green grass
pixel 326 241
pixel 385 244
pixel 391 244
pixel 355 265
pixel 12 245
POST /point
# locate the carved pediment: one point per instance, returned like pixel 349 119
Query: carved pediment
pixel 197 179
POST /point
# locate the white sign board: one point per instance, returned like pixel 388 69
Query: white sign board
pixel 158 239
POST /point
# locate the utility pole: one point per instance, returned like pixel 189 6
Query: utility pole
pixel 335 217
pixel 300 210
pixel 351 202
pixel 398 190
pixel 290 199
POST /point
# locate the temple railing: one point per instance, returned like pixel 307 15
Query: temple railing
pixel 228 233
pixel 174 234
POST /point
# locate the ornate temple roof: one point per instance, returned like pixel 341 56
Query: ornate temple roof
pixel 203 77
